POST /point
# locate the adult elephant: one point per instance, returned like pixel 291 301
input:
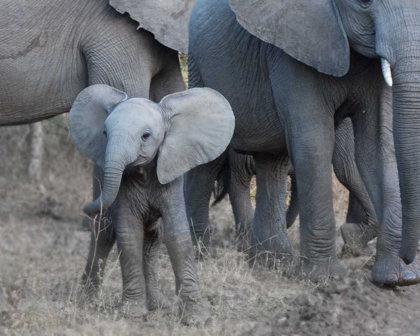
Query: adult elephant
pixel 361 222
pixel 289 70
pixel 52 50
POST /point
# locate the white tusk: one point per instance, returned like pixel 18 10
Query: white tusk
pixel 386 71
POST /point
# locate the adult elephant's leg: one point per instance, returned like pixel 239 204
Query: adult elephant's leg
pixel 242 169
pixel 311 148
pixel 375 158
pixel 199 183
pixel 101 242
pixel 358 230
pixel 118 55
pixel 308 117
pixel 355 212
pixel 168 80
pixel 152 242
pixel 269 238
pixel 130 238
pixel 361 225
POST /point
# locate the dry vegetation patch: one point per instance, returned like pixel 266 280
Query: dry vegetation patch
pixel 43 251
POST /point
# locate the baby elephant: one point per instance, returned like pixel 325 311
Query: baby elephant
pixel 144 148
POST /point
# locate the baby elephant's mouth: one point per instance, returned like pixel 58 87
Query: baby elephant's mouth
pixel 140 161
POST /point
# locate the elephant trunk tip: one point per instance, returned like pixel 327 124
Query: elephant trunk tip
pixel 95 207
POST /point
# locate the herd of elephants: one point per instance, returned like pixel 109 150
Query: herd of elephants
pixel 276 88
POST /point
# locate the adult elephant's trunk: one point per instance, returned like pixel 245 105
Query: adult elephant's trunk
pixel 406 105
pixel 116 159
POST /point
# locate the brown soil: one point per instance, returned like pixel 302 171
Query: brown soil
pixel 43 251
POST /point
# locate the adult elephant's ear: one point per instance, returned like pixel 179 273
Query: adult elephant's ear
pixel 167 19
pixel 308 30
pixel 201 127
pixel 87 116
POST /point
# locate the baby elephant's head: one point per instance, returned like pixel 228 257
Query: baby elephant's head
pixel 187 129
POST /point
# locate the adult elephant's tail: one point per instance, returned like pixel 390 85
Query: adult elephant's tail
pixel 222 185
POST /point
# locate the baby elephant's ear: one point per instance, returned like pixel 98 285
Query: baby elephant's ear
pixel 87 116
pixel 201 127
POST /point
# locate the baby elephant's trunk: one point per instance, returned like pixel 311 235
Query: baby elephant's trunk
pixel 116 160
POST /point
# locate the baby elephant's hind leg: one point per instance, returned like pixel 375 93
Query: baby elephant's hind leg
pixel 152 242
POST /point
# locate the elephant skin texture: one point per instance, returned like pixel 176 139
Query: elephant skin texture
pixel 361 222
pixel 140 173
pixel 52 50
pixel 287 103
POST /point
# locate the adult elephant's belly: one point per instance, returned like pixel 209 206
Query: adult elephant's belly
pixel 41 84
pixel 258 130
pixel 258 127
pixel 41 67
pixel 37 88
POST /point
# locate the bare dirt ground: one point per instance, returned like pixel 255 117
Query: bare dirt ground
pixel 43 250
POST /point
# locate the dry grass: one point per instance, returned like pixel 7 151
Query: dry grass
pixel 42 261
pixel 43 251
pixel 43 258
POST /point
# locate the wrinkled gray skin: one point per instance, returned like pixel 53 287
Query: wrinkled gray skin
pixel 52 50
pixel 43 66
pixel 286 95
pixel 141 150
pixel 361 223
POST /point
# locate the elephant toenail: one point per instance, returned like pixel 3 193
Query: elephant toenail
pixel 409 276
pixel 391 279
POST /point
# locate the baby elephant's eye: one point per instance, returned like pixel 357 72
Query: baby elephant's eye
pixel 105 133
pixel 145 136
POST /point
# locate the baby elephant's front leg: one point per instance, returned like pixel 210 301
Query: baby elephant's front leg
pixel 177 238
pixel 180 251
pixel 130 238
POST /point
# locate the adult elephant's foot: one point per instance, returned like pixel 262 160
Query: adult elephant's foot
pixel 393 271
pixel 270 253
pixel 317 272
pixel 356 237
pixel 193 313
pixel 156 300
pixel 133 309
